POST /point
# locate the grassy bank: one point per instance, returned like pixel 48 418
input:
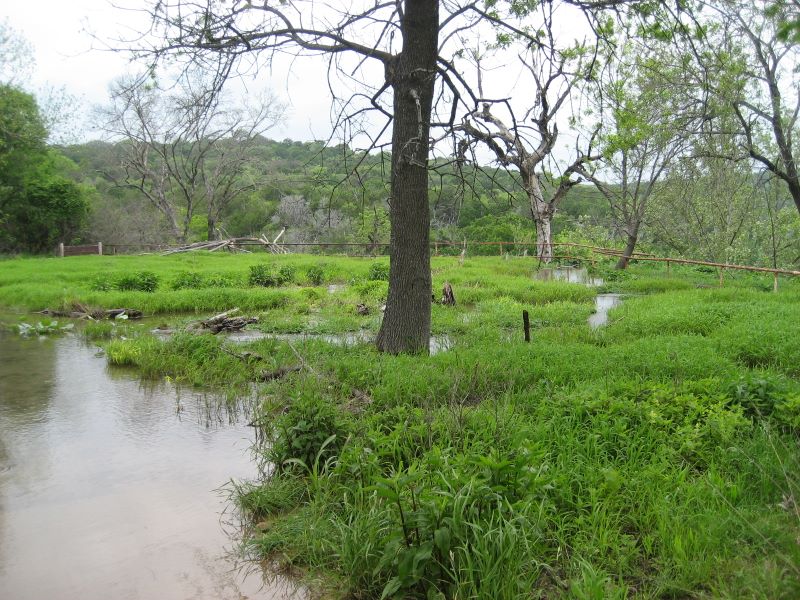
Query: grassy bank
pixel 655 457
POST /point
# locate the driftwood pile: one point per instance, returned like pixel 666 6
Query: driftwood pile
pixel 232 245
pixel 79 311
pixel 226 322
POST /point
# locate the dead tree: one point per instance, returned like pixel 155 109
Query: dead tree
pixel 526 141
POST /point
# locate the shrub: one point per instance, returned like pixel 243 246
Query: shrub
pixel 102 284
pixel 378 271
pixel 188 280
pixel 302 433
pixel 264 276
pixel 286 274
pixel 143 281
pixel 315 275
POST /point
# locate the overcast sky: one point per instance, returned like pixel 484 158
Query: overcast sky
pixel 70 39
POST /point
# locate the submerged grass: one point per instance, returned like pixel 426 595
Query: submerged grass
pixel 655 457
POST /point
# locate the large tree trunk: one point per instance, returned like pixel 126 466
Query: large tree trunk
pixel 407 320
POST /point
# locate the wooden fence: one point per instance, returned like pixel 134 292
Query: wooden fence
pixel 586 253
pixel 83 250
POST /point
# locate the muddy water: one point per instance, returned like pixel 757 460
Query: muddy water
pixel 107 490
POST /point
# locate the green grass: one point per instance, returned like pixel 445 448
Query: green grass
pixel 655 457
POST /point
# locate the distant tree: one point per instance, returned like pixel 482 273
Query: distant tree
pixel 643 130
pixel 186 149
pixel 16 55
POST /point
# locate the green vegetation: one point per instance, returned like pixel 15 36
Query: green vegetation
pixel 39 205
pixel 654 457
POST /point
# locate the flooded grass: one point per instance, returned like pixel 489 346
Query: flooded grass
pixel 653 456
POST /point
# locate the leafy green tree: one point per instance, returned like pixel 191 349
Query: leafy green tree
pixel 39 207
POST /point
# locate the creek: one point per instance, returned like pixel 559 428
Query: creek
pixel 110 488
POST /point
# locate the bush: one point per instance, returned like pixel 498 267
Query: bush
pixel 378 271
pixel 264 276
pixel 315 275
pixel 102 284
pixel 302 433
pixel 188 280
pixel 143 281
pixel 286 274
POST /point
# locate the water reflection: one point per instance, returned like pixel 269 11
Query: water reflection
pixel 438 343
pixel 603 304
pixel 569 275
pixel 106 488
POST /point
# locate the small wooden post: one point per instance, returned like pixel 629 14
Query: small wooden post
pixel 526 325
pixel 721 277
pixel 61 249
pixel 669 267
pixel 501 248
pixel 100 248
pixel 775 282
pixel 436 248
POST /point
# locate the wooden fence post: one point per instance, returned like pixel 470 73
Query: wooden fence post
pixel 61 249
pixel 774 282
pixel 100 248
pixel 526 325
pixel 721 276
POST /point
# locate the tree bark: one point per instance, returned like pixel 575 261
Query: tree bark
pixel 406 322
pixel 544 237
pixel 212 228
pixel 542 214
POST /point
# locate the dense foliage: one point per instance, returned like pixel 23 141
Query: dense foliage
pixel 39 205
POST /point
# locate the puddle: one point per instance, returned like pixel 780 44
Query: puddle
pixel 569 275
pixel 603 304
pixel 108 489
pixel 438 343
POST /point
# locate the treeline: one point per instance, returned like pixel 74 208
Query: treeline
pixel 705 209
pixel 321 193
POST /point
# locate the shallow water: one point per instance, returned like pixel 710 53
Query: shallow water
pixel 438 343
pixel 107 488
pixel 603 304
pixel 569 275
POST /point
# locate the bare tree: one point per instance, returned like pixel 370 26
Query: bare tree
pixel 528 141
pixel 186 149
